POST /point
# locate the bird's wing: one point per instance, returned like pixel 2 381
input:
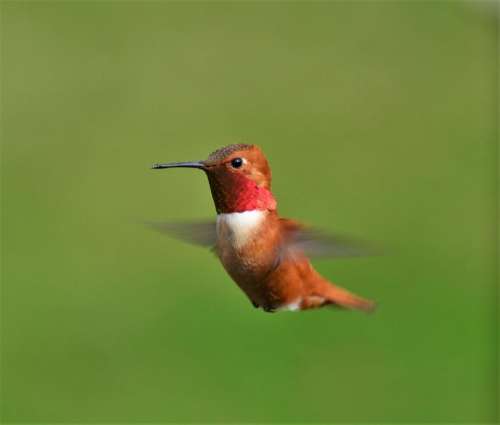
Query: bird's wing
pixel 197 233
pixel 316 243
pixel 296 238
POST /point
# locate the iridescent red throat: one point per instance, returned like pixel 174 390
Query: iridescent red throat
pixel 239 194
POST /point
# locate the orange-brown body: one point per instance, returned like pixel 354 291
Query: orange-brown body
pixel 262 252
pixel 274 280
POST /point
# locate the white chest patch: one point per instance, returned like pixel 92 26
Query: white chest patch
pixel 237 228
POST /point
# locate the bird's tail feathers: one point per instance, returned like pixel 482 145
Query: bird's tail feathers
pixel 340 297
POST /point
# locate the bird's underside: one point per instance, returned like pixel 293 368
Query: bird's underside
pixel 268 258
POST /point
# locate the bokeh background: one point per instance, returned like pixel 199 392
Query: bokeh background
pixel 378 119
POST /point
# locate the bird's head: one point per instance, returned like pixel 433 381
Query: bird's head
pixel 239 177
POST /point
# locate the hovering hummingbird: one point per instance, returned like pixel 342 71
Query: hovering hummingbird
pixel 265 254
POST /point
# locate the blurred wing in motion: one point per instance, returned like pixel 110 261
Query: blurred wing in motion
pixel 297 238
pixel 317 244
pixel 197 233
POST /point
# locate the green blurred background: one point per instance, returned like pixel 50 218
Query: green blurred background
pixel 378 119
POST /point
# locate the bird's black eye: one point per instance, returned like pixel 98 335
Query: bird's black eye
pixel 236 162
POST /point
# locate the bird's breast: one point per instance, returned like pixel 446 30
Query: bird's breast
pixel 245 243
pixel 235 230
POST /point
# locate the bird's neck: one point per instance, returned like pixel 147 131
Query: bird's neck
pixel 240 195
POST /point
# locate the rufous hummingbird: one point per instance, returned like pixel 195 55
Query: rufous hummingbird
pixel 265 254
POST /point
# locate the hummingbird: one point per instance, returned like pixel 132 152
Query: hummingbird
pixel 266 255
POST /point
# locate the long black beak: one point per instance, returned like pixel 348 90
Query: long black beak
pixel 194 164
